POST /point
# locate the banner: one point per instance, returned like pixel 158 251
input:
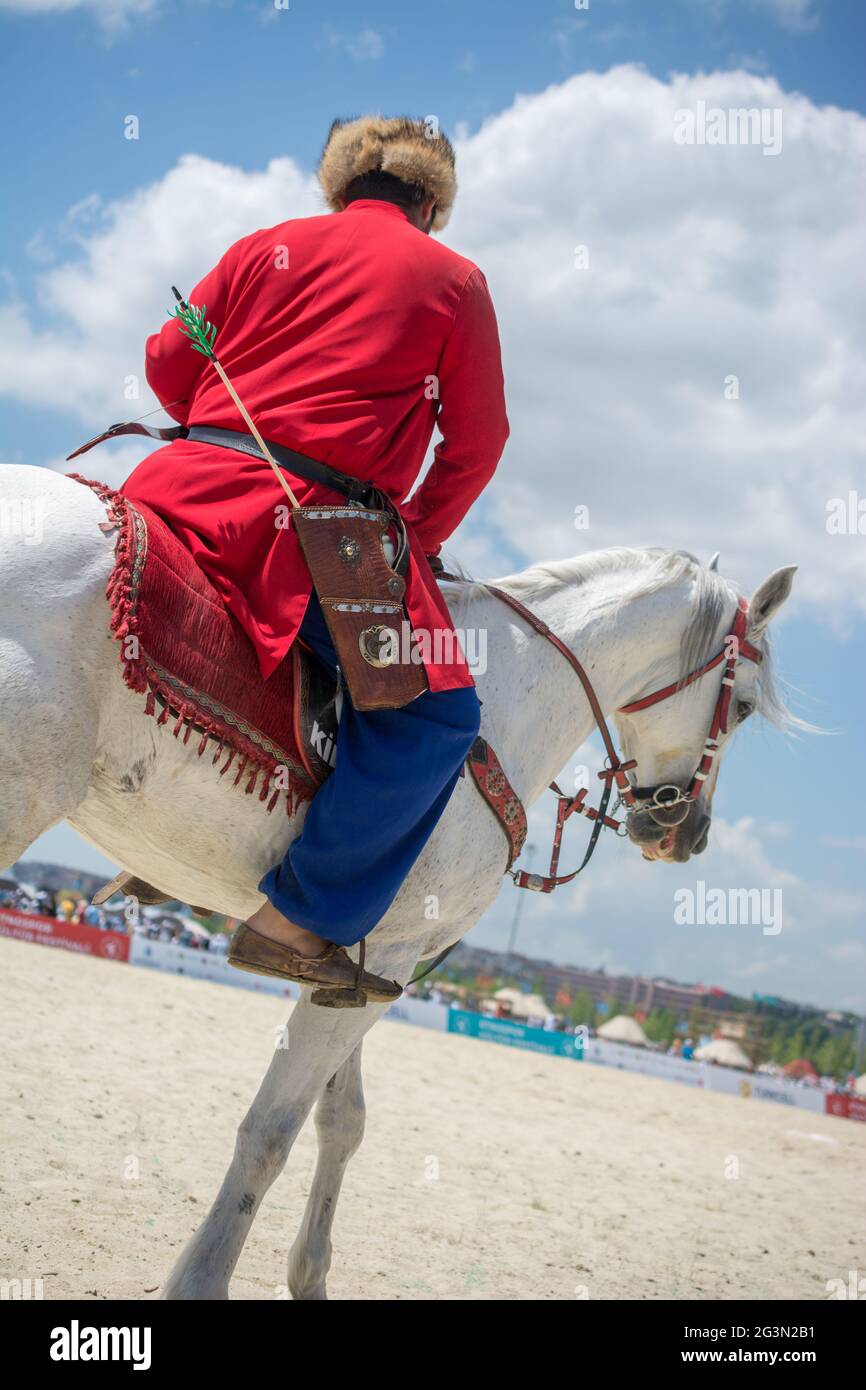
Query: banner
pixel 204 965
pixel 422 1013
pixel 756 1086
pixel 513 1034
pixel 644 1061
pixel 69 936
pixel 848 1107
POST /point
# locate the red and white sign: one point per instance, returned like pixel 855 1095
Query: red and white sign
pixel 69 936
pixel 848 1107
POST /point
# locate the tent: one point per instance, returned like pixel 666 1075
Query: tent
pixel 531 1006
pixel 725 1052
pixel 624 1029
pixel 507 995
pixel 800 1070
pixel 523 1005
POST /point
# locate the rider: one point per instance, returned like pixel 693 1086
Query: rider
pixel 347 338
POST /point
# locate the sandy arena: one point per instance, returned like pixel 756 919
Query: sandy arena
pixel 486 1173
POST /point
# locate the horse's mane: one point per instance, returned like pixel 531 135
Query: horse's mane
pixel 711 597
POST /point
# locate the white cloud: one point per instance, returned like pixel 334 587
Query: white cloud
pixel 799 15
pixel 113 15
pixel 103 304
pixel 703 262
pixel 112 464
pixel 849 952
pixel 364 45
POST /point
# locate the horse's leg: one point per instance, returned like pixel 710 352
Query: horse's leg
pixel 319 1042
pixel 340 1117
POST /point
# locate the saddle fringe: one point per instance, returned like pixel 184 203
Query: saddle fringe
pixel 141 675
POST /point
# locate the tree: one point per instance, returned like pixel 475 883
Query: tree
pixel 582 1010
pixel 661 1026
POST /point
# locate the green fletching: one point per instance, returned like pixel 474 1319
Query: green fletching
pixel 194 325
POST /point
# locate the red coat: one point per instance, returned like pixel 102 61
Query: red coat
pixel 335 332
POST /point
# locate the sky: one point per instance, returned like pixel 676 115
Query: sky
pixel 682 328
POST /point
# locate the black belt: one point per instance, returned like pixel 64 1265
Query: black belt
pixel 312 470
pixel 303 467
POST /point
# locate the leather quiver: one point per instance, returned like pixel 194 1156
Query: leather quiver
pixel 361 598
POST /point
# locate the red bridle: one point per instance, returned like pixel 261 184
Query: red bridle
pixel 735 646
pixel 733 649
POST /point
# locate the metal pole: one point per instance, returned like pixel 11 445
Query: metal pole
pixel 518 909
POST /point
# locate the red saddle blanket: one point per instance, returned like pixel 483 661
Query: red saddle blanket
pixel 180 644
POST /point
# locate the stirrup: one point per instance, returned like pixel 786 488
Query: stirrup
pixel 354 998
pixel 340 998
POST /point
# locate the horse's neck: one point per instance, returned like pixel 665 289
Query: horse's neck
pixel 534 711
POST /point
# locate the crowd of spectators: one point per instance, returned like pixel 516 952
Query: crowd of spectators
pixel 127 917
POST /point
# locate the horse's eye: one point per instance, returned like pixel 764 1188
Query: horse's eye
pixel 744 709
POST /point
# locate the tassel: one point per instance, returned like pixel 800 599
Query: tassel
pixel 250 787
pixel 203 742
pixel 189 721
pixel 218 754
pixel 135 677
pixel 273 801
pixel 150 705
pixel 240 772
pixel 228 762
pixel 164 716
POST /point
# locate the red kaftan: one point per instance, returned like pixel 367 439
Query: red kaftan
pixel 337 333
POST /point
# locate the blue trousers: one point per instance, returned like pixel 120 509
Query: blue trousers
pixel 395 771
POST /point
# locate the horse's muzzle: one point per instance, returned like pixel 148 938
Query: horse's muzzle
pixel 673 835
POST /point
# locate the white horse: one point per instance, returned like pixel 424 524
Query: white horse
pixel 75 744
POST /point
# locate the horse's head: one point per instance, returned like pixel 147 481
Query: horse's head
pixel 677 735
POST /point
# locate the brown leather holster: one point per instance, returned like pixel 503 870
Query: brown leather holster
pixel 361 598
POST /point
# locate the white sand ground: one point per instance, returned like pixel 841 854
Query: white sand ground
pixel 486 1173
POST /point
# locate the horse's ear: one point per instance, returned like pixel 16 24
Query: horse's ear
pixel 714 563
pixel 769 597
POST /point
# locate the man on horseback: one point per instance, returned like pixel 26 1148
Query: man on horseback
pixel 347 337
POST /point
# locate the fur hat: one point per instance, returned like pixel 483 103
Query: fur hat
pixel 397 145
